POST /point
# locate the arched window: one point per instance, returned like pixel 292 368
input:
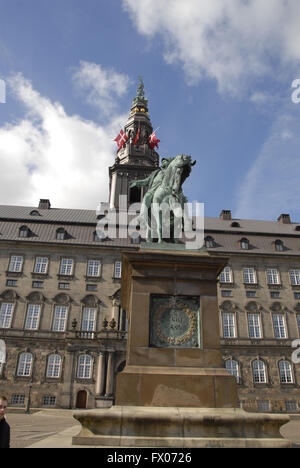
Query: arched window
pixel 84 368
pixel 259 371
pixel 25 365
pixel 54 366
pixel 285 372
pixel 233 368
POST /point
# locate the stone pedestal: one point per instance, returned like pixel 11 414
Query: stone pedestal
pixel 173 355
pixel 175 390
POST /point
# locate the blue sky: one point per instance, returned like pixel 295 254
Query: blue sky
pixel 218 76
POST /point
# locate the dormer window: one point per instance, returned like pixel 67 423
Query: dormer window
pixel 209 242
pixel 34 213
pixel 279 247
pixel 24 231
pixel 244 243
pixel 235 224
pixel 61 234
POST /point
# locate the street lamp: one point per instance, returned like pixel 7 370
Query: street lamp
pixel 29 399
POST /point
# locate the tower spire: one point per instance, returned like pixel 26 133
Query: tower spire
pixel 137 158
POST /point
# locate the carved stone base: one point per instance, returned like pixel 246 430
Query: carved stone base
pixel 124 426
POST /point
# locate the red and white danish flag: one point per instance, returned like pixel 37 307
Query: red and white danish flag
pixel 153 141
pixel 121 139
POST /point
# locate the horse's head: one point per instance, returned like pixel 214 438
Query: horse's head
pixel 181 169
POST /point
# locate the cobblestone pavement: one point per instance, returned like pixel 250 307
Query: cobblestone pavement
pixel 27 429
pixel 55 428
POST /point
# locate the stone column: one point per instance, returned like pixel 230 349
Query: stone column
pixel 110 375
pixel 100 381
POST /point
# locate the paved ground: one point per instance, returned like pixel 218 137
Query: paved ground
pixel 55 429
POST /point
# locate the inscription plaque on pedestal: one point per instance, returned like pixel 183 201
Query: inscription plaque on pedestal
pixel 175 321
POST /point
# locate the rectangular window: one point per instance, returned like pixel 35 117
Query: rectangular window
pixel 16 263
pixel 291 406
pixel 295 277
pixel 41 265
pixel 6 313
pixel 226 293
pixel 228 325
pixel 226 275
pixel 250 293
pixel 254 325
pixel 263 405
pixel 37 284
pixel 249 275
pixel 17 400
pixel 32 317
pixel 118 269
pixel 273 276
pixel 63 285
pixel 279 326
pixel 297 295
pixel 93 268
pixel 91 287
pixel 66 266
pixel 88 319
pixel 11 282
pixel 275 294
pixel 49 400
pixel 60 318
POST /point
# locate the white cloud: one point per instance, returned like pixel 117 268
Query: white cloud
pixel 231 41
pixel 50 154
pixel 104 85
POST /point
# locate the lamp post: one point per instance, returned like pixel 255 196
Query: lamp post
pixel 29 399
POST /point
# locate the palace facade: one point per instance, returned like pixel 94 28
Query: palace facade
pixel 61 321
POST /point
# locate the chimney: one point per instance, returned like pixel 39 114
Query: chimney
pixel 284 219
pixel 44 204
pixel 225 215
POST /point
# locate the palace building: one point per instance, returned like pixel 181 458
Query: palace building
pixel 61 321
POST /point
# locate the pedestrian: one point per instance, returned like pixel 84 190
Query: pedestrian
pixel 4 426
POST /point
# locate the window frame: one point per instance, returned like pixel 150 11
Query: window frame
pixel 118 266
pixel 45 272
pixel 90 273
pixel 82 367
pixel 229 326
pixel 255 326
pixel 57 321
pixel 16 262
pixel 226 277
pixel 25 365
pixel 249 274
pixel 32 321
pixel 271 276
pixel 279 327
pixel 287 372
pixel 9 318
pixel 54 369
pixel 259 372
pixel 62 266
